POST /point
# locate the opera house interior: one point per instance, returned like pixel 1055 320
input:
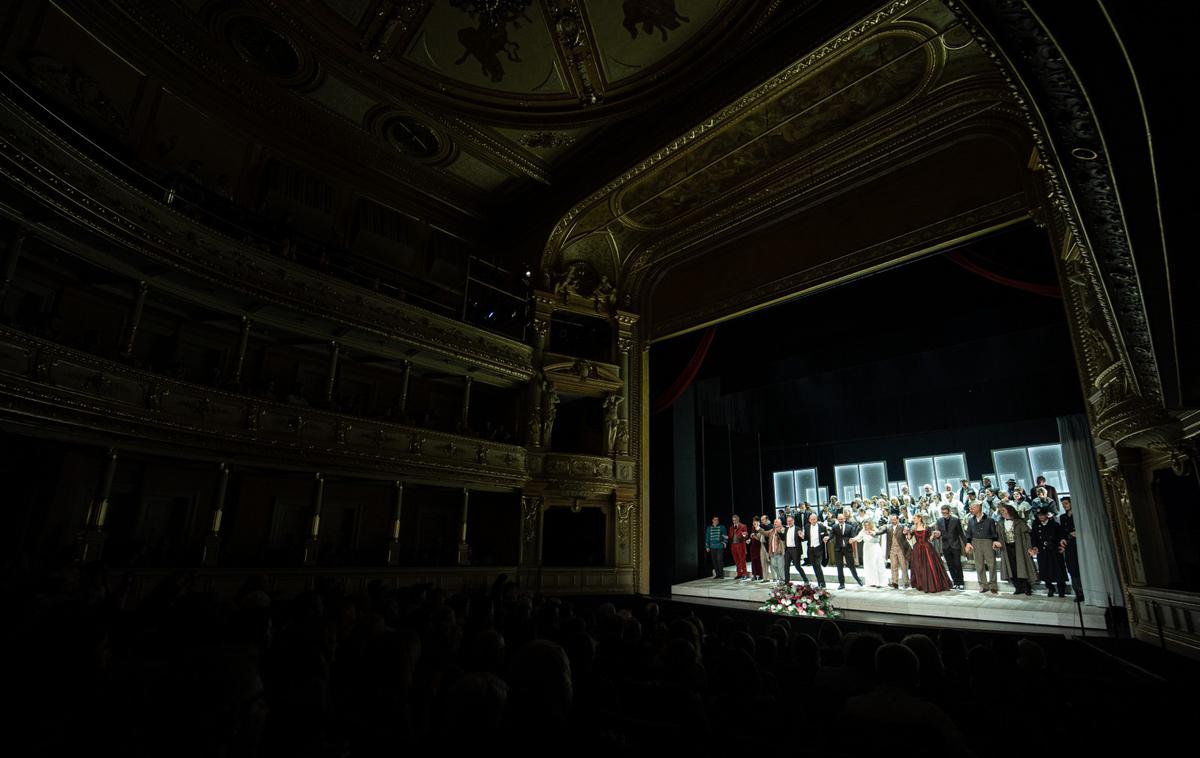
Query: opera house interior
pixel 372 369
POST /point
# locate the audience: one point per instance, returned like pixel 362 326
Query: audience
pixel 327 673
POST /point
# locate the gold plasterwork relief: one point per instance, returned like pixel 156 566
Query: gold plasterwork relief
pixel 819 121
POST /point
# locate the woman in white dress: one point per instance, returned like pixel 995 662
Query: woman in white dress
pixel 875 575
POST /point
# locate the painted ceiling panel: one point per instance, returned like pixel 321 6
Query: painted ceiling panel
pixel 633 36
pixel 515 57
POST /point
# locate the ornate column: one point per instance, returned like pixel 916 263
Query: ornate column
pixel 239 360
pixel 91 546
pixel 212 540
pixel 627 531
pixel 12 255
pixel 333 365
pixel 135 318
pixel 543 305
pixel 642 514
pixel 531 521
pixel 403 402
pixel 625 324
pixel 311 544
pixel 393 546
pixel 464 550
pixel 464 423
pixel 1134 435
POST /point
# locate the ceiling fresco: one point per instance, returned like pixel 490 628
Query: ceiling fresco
pixel 516 55
pixel 503 92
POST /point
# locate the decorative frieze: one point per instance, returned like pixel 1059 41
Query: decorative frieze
pixel 77 390
pixel 141 228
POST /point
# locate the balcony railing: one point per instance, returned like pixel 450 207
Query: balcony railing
pixel 483 299
pixel 65 386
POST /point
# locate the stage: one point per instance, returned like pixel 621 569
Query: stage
pixel 964 609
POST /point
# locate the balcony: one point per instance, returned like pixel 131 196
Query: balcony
pixel 81 395
pixel 114 215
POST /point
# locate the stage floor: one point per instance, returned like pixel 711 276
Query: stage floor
pixel 964 609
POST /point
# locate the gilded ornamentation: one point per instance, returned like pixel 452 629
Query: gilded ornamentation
pixel 549 413
pixel 586 370
pixel 546 140
pixel 727 118
pixel 145 229
pixel 383 30
pixel 253 415
pixel 992 215
pixel 568 282
pixel 531 511
pixel 154 396
pixel 604 295
pixel 1124 525
pixel 70 86
pixel 296 425
pixel 627 530
pixel 533 435
pixel 621 440
pixel 624 511
pixel 252 429
pixel 612 421
pixel 576 46
pixel 98 383
pixel 1091 209
pixel 340 430
pixel 481 455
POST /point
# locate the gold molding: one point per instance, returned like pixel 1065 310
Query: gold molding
pixel 70 391
pixel 134 223
pixel 1015 214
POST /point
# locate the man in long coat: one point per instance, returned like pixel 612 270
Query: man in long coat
pixel 1016 551
pixel 1047 535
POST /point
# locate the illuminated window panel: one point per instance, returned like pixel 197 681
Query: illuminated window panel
pixel 919 472
pixel 845 480
pixel 822 495
pixel 1012 463
pixel 872 478
pixel 806 485
pixel 1047 461
pixel 950 469
pixel 785 489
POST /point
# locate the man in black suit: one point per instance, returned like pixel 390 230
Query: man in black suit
pixel 793 550
pixel 842 553
pixel 952 545
pixel 815 536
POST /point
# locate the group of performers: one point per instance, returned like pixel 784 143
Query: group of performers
pixel 917 543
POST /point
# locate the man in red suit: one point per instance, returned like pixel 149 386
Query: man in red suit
pixel 738 534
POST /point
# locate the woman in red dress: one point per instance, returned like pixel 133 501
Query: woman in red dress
pixel 928 571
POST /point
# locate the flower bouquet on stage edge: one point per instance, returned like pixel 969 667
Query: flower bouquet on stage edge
pixel 801 600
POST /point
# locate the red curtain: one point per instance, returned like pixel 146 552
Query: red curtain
pixel 684 380
pixel 1045 290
